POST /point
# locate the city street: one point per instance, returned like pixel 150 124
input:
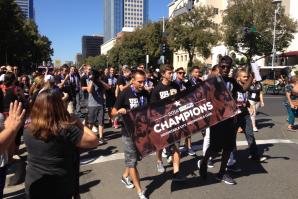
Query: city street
pixel 276 178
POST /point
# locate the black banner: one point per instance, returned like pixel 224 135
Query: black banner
pixel 160 124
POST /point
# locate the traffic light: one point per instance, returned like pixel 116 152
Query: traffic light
pixel 163 48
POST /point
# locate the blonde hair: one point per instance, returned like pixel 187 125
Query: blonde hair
pixel 37 84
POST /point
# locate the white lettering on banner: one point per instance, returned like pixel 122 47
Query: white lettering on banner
pixel 183 117
pixel 186 107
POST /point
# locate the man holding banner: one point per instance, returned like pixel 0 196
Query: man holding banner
pixel 223 134
pixel 164 89
pixel 130 98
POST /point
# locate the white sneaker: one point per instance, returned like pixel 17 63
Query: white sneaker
pixel 164 153
pixel 169 159
pixel 160 167
pixel 127 182
pixel 94 129
pixel 255 129
pixel 141 195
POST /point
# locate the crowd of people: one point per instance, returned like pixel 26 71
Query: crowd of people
pixel 45 109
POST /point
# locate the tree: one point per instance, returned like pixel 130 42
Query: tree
pixel 248 27
pixel 194 32
pixel 20 42
pixel 98 62
pixel 132 48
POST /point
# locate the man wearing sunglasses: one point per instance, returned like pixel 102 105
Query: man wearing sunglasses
pixel 180 81
pixel 223 134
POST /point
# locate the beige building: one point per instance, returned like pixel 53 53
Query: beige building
pixel 111 43
pixel 291 7
pixel 135 13
pixel 177 7
pixel 107 46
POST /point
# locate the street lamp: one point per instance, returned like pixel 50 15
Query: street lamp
pixel 277 4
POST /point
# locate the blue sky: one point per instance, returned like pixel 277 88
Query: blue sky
pixel 65 21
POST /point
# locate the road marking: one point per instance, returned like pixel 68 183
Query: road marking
pixel 119 156
pixel 269 97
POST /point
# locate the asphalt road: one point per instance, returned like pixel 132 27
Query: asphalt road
pixel 275 179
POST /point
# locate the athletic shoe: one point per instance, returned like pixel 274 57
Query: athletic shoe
pixel 225 178
pixel 116 125
pixel 94 129
pixel 164 153
pixel 177 177
pixel 291 130
pixel 101 141
pixel 234 168
pixel 191 152
pixel 127 182
pixel 255 129
pixel 210 163
pixel 169 159
pixel 87 161
pixel 142 195
pixel 258 159
pixel 160 167
pixel 202 169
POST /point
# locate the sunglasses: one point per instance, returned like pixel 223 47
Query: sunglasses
pixel 181 73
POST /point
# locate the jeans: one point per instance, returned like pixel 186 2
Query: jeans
pixel 291 115
pixel 3 171
pixel 244 121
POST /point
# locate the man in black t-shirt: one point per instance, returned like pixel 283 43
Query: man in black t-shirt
pixel 223 134
pixel 195 77
pixel 123 81
pixel 180 73
pixel 111 80
pixel 166 88
pixel 244 120
pixel 85 79
pixel 131 97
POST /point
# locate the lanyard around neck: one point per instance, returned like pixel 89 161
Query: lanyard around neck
pixel 141 98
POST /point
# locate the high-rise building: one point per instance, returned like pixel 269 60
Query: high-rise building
pixel 119 14
pixel 91 46
pixel 27 8
pixel 79 58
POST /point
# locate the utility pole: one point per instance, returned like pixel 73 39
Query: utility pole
pixel 277 4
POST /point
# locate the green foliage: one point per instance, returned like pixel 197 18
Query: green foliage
pixel 248 27
pixel 194 32
pixel 99 62
pixel 20 42
pixel 133 47
pixel 241 61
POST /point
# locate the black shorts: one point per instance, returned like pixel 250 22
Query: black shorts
pixel 223 136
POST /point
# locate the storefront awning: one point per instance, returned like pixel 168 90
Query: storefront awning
pixel 290 54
